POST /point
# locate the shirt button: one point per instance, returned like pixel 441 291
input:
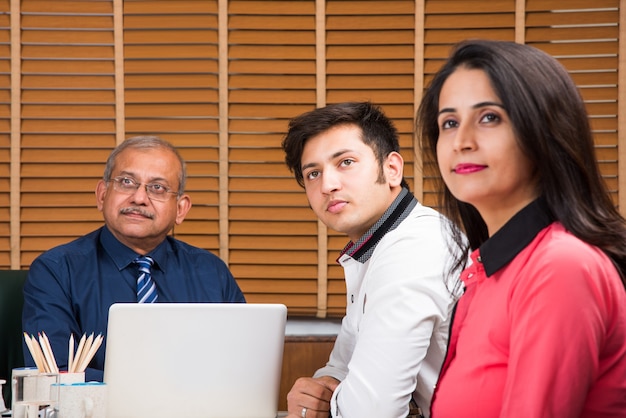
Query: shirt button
pixel 351 298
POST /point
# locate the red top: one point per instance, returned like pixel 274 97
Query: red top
pixel 544 335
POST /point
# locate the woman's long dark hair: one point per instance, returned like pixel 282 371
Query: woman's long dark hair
pixel 551 126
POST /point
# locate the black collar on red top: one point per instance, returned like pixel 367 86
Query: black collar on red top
pixel 515 235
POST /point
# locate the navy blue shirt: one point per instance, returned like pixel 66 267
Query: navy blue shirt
pixel 70 288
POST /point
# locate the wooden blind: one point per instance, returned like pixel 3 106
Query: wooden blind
pixel 370 55
pixel 67 118
pixel 171 90
pixel 220 79
pixel 5 133
pixel 271 78
pixel 584 37
pixel 448 22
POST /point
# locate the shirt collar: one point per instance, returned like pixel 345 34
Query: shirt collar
pixel 123 256
pixel 399 209
pixel 515 235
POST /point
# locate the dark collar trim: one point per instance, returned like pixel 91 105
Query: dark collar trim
pixel 397 212
pixel 515 235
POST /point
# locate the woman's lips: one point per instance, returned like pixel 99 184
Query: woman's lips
pixel 468 168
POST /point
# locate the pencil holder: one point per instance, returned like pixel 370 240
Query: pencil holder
pixel 74 377
pixel 80 400
pixel 31 392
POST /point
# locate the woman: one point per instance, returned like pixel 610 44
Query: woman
pixel 541 328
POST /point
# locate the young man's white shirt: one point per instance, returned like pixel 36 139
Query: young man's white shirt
pixel 393 338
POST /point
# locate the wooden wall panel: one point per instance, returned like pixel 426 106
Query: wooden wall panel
pixel 67 117
pixel 271 74
pixel 220 79
pixel 586 42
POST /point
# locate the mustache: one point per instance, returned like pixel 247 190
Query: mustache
pixel 138 211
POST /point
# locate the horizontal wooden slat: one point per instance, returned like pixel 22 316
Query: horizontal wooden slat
pixel 382 97
pixel 541 5
pixel 449 37
pixel 173 125
pixel 276 242
pixel 173 36
pixel 584 17
pixel 264 184
pixel 573 48
pixel 271 213
pixel 578 33
pixel 76 96
pixel 60 21
pixel 287 271
pixel 167 66
pixel 50 52
pixel 271 7
pixel 365 66
pixel 272 96
pixel 60 127
pixel 169 21
pixel 255 170
pixel 271 52
pixel 292 66
pixel 72 7
pixel 268 257
pixel 57 228
pixel 275 200
pixel 256 81
pixel 67 36
pixel 272 228
pixel 71 111
pixel 370 81
pixel 68 66
pixel 468 7
pixel 372 23
pixel 74 81
pixel 387 52
pixel 387 37
pixel 169 51
pixel 169 8
pixel 464 21
pixel 384 7
pixel 279 25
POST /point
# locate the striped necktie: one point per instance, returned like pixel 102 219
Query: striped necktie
pixel 146 289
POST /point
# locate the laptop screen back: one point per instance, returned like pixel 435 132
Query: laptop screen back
pixel 194 360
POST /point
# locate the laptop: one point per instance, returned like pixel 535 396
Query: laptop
pixel 219 360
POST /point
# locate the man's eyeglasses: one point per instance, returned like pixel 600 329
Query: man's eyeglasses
pixel 129 185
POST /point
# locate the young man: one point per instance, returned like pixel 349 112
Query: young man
pixel 141 196
pixel 399 282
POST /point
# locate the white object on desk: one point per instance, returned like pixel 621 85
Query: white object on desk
pixel 3 407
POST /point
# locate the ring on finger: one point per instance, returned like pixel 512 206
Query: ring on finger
pixel 303 413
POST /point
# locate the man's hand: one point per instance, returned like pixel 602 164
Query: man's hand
pixel 313 394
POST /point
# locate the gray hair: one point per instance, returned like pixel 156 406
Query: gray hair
pixel 146 142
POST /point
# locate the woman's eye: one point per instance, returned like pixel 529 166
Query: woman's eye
pixel 447 124
pixel 490 117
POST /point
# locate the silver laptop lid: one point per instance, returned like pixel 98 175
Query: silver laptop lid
pixel 194 360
